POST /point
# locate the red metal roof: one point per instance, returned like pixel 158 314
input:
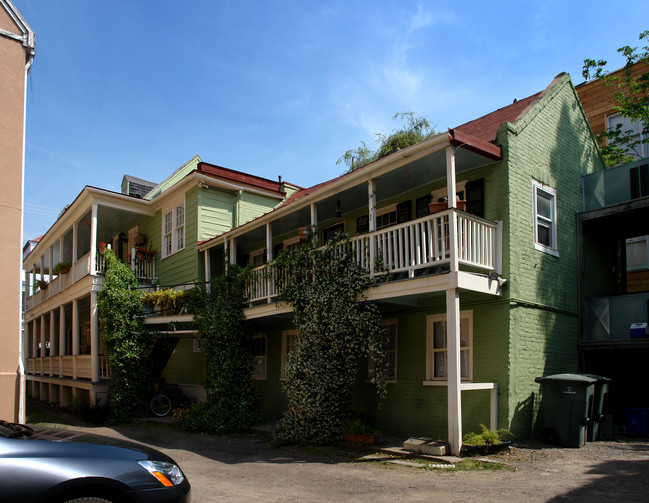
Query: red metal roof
pixel 486 127
pixel 239 177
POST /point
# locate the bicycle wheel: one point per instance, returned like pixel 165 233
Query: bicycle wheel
pixel 160 405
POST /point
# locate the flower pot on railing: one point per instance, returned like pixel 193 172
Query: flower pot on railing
pixel 61 268
pixel 101 248
pixel 304 233
pixel 42 284
pixel 443 205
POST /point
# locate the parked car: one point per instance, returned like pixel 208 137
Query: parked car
pixel 42 465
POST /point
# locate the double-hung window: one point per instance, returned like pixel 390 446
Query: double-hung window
pixel 259 353
pixel 289 342
pixel 437 350
pixel 545 218
pixel 635 131
pixel 173 229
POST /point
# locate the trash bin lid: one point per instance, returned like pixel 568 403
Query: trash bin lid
pixel 581 378
pixel 600 379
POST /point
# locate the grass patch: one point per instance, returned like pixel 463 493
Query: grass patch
pixel 478 466
pixel 39 416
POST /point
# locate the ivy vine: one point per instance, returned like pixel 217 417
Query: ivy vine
pixel 231 404
pixel 126 342
pixel 337 327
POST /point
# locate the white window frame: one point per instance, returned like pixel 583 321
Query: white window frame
pixel 442 193
pixel 261 358
pixel 174 236
pixel 371 363
pixel 255 256
pixel 431 380
pixel 614 119
pixel 551 223
pixel 291 243
pixel 287 347
pixel 640 242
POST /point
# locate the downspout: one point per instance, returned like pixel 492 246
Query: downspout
pixel 237 211
pixel 29 45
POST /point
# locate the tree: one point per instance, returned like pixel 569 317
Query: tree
pixel 416 130
pixel 127 343
pixel 631 100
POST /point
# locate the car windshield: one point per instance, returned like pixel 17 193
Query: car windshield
pixel 14 430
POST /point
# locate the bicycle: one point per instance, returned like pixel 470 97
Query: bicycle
pixel 160 404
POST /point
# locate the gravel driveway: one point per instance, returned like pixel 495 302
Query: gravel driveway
pixel 246 469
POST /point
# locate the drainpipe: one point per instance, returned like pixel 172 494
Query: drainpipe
pixel 237 210
pixel 29 44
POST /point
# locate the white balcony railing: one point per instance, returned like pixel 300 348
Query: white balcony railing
pixel 413 246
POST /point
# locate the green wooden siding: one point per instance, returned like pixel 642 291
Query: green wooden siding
pixel 215 212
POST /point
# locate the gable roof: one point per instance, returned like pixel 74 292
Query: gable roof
pixel 26 36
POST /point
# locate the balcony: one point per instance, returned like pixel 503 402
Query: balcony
pixel 417 248
pixel 609 318
pixel 617 185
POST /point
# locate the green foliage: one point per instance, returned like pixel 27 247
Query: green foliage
pixel 231 404
pixel 127 343
pixel 358 427
pixel 416 130
pixel 631 100
pixel 487 436
pixel 165 299
pixel 338 326
pixel 61 268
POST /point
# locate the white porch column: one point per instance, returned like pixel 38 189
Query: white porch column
pixel 34 338
pixel 42 335
pixel 62 338
pixel 208 271
pixel 94 337
pixel 314 224
pixel 269 243
pixel 54 346
pixel 74 243
pixel 75 327
pixel 233 251
pixel 450 176
pixel 93 240
pixel 454 379
pixel 371 202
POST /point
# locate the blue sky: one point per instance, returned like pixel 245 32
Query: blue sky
pixel 277 88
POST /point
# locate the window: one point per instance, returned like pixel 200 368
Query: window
pixel 386 216
pixel 259 354
pixel 390 351
pixel 637 253
pixel 289 341
pixel 198 345
pixel 173 229
pixel 440 195
pixel 436 349
pixel 545 218
pixel 330 232
pixel 635 129
pixel 291 243
pixel 256 258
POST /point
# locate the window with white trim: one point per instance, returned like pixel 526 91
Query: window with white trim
pixel 259 344
pixel 386 216
pixel 173 229
pixel 545 218
pixel 635 129
pixel 257 257
pixel 390 348
pixel 289 342
pixel 437 351
pixel 439 195
pixel 637 253
pixel 291 243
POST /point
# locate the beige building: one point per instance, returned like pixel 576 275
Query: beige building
pixel 16 55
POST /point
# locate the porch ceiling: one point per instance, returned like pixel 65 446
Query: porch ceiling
pixel 111 221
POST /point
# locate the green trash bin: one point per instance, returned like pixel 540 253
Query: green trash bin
pixel 600 406
pixel 567 406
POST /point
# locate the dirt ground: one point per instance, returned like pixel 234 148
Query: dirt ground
pixel 247 469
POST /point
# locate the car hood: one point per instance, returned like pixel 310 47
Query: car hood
pixel 78 441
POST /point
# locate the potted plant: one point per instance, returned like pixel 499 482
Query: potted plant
pixel 357 432
pixel 304 232
pixel 101 248
pixel 486 442
pixel 61 268
pixel 42 284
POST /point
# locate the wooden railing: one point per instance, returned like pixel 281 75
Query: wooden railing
pixel 412 246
